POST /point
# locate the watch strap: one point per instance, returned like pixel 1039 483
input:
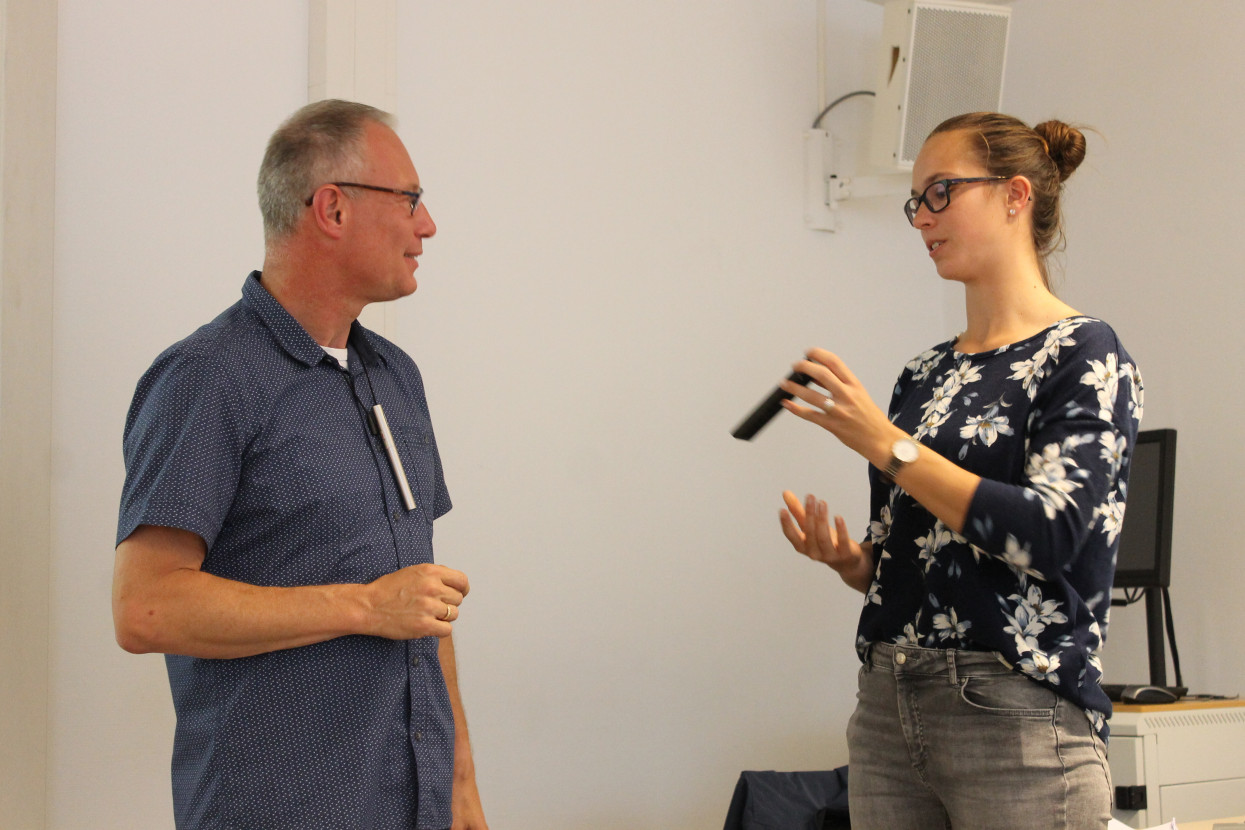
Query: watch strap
pixel 896 463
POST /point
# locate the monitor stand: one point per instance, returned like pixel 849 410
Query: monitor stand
pixel 1155 632
pixel 1154 636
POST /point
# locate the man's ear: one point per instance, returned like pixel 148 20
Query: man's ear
pixel 329 211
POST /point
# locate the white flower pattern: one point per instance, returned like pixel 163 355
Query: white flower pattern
pixel 1048 473
pixel 1048 424
pixel 1104 376
pixel 986 428
pixel 951 627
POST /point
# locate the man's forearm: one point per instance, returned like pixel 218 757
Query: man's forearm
pixel 163 602
pixel 201 615
pixel 463 763
pixel 468 809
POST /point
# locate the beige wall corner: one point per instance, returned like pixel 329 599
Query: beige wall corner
pixel 352 53
pixel 27 188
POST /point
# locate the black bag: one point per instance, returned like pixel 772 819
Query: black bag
pixel 790 801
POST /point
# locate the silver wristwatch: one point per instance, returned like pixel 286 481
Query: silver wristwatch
pixel 903 452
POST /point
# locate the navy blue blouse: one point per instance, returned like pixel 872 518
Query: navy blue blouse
pixel 1049 424
pixel 249 435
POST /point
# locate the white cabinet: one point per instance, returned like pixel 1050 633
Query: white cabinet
pixel 1185 760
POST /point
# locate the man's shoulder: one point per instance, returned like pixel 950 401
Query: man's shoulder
pixel 233 349
pixel 224 329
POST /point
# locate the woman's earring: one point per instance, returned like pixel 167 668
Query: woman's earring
pixel 1011 212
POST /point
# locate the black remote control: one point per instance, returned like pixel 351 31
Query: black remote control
pixel 767 409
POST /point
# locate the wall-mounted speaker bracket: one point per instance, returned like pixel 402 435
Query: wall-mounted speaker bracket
pixel 820 212
pixel 869 187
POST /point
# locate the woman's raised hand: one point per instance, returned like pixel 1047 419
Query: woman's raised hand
pixel 807 528
pixel 844 408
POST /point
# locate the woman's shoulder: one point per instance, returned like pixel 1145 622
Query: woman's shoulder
pixel 1086 324
pixel 923 362
pixel 1084 336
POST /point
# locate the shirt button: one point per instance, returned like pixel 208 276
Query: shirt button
pixel 415 660
pixel 397 515
pixel 901 658
pixel 419 736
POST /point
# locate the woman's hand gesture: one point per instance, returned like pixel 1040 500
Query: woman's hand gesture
pixel 808 530
pixel 844 409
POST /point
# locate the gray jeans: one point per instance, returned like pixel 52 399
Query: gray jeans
pixel 955 739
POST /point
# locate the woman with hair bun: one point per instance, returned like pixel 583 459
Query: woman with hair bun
pixel 997 484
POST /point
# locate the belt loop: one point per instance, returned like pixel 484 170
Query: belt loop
pixel 951 666
pixel 867 657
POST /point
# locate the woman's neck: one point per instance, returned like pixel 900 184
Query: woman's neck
pixel 1009 309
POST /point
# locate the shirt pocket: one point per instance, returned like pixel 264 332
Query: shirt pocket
pixel 418 452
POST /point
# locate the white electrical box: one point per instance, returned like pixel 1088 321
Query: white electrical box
pixel 1183 761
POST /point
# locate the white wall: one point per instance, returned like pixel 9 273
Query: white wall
pixel 621 271
pixel 1153 246
pixel 164 109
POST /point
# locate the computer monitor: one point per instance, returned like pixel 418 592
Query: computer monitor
pixel 1144 560
pixel 1145 555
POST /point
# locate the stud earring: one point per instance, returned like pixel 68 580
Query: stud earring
pixel 1011 212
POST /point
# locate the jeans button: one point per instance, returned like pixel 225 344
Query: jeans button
pixel 901 658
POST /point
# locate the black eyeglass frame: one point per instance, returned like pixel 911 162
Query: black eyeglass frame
pixel 413 195
pixel 911 206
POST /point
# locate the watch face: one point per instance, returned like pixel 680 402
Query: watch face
pixel 905 449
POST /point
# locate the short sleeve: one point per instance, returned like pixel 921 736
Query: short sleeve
pixel 183 447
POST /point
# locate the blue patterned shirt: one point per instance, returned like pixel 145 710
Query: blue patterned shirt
pixel 1049 424
pixel 249 435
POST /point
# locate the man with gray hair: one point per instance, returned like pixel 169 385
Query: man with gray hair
pixel 275 531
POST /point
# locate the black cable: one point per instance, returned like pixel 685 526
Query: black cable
pixel 836 102
pixel 361 347
pixel 1171 636
pixel 372 423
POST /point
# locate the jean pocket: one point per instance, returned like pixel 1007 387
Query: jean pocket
pixel 1008 695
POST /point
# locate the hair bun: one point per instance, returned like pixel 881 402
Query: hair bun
pixel 1064 144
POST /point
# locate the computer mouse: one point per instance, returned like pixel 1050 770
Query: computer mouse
pixel 1147 694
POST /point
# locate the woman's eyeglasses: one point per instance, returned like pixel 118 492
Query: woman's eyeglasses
pixel 938 195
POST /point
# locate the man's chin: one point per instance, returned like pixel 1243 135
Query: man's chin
pixel 404 288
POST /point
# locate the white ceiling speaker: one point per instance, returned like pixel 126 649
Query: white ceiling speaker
pixel 939 58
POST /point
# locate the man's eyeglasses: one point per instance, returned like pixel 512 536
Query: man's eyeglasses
pixel 938 195
pixel 413 195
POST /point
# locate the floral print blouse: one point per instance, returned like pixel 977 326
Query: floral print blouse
pixel 1049 424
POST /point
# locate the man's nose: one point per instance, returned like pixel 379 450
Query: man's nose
pixel 424 226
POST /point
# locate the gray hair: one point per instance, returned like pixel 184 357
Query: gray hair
pixel 322 142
